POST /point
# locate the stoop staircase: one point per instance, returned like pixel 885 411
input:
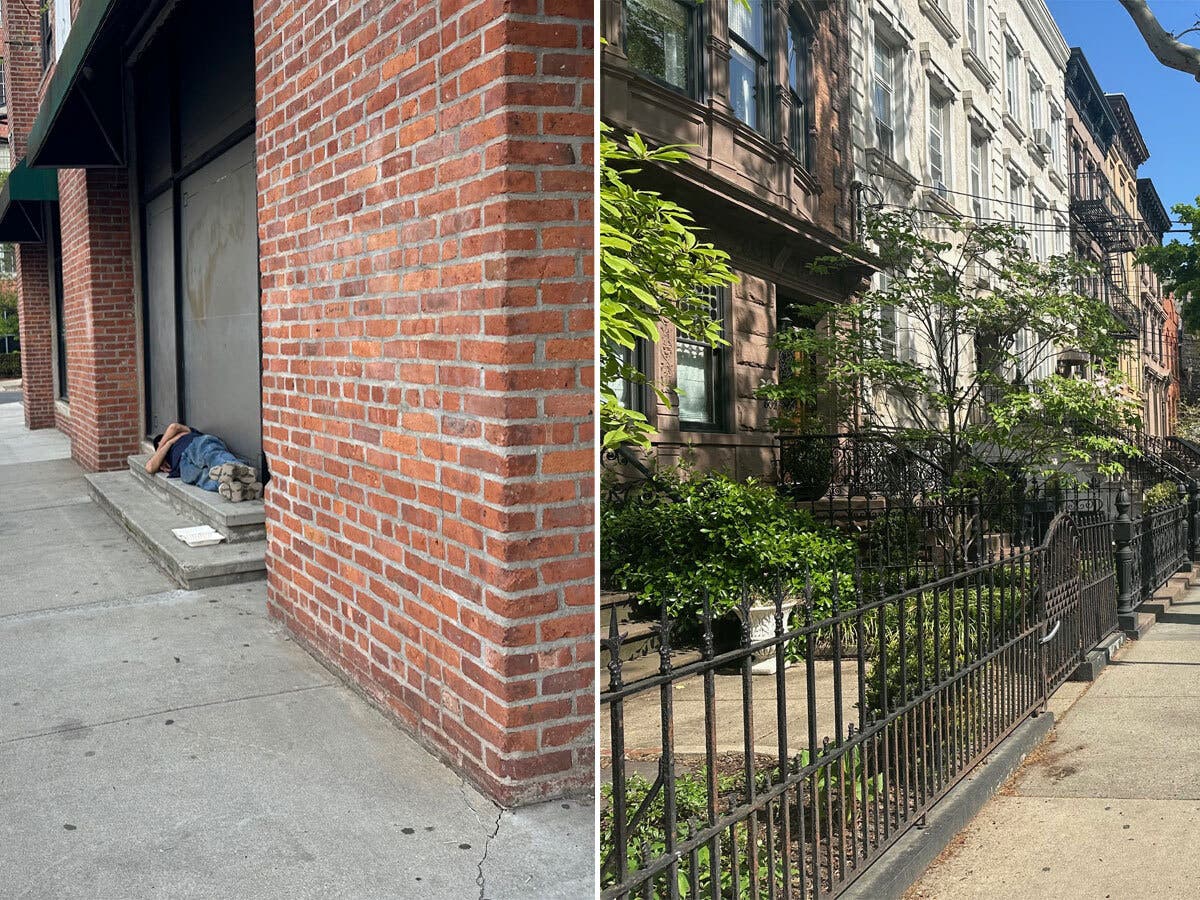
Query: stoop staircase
pixel 150 506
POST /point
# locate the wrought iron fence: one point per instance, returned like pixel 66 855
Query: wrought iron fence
pixel 1160 544
pixel 856 465
pixel 884 686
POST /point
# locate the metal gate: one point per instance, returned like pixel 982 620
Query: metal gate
pixel 1078 591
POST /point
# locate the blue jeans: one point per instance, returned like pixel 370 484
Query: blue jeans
pixel 202 454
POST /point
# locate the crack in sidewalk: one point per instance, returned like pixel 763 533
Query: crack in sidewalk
pixel 480 879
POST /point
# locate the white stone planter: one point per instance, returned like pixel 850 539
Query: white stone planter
pixel 762 628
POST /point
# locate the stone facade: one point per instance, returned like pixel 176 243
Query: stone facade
pixel 958 108
pixel 772 200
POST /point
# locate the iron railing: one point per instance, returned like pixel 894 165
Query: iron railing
pixel 783 763
pixel 855 465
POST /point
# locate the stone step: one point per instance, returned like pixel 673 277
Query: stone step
pixel 239 522
pixel 150 519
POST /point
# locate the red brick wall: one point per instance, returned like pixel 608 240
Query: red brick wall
pixel 35 316
pixel 23 75
pixel 102 349
pixel 425 175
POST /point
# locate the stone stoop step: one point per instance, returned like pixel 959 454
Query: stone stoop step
pixel 150 518
pixel 237 521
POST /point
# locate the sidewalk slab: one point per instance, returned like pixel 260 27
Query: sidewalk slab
pixel 1111 806
pixel 171 759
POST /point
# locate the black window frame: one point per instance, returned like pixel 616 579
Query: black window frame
pixel 694 60
pixel 762 69
pixel 46 34
pixel 719 370
pixel 800 34
pixel 58 301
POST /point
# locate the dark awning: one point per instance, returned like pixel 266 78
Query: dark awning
pixel 21 201
pixel 81 120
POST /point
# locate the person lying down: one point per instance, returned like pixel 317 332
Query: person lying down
pixel 203 460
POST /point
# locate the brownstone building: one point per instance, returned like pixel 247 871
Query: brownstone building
pixel 355 240
pixel 760 93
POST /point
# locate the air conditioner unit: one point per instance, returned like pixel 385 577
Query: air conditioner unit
pixel 1041 139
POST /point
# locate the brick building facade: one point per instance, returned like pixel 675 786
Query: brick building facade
pixel 408 351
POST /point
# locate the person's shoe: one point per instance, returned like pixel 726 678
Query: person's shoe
pixel 231 491
pixel 228 473
pixel 254 491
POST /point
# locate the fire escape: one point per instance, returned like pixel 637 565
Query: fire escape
pixel 1096 209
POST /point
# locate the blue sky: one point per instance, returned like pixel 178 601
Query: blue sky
pixel 1166 103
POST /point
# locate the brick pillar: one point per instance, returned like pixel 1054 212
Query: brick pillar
pixel 98 305
pixel 23 76
pixel 427 345
pixel 35 315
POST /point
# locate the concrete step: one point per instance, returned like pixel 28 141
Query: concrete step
pixel 149 518
pixel 239 522
pixel 1136 625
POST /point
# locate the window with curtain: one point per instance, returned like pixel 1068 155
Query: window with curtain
pixel 748 88
pixel 660 41
pixel 883 96
pixel 700 374
pixel 799 48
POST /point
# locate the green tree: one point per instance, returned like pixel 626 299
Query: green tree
pixel 971 371
pixel 1177 264
pixel 653 268
pixel 8 312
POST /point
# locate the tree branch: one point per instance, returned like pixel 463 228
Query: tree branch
pixel 1169 51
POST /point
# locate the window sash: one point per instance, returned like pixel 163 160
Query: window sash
pixel 798 86
pixel 748 91
pixel 700 375
pixel 1012 86
pixel 972 25
pixel 883 96
pixel 937 145
pixel 1035 104
pixel 660 41
pixel 978 166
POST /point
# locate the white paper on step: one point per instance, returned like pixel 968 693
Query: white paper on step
pixel 199 535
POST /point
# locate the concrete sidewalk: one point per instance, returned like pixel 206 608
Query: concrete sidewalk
pixel 160 743
pixel 1111 806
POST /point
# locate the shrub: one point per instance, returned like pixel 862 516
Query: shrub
pixel 943 632
pixel 10 364
pixel 1163 494
pixel 718 535
pixel 840 790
